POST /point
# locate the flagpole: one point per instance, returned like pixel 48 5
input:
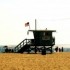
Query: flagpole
pixel 29 26
pixel 28 30
pixel 35 25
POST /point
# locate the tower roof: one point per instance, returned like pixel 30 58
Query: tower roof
pixel 43 30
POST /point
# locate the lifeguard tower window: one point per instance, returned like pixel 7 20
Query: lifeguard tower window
pixel 46 36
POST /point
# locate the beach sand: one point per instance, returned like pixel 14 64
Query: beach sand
pixel 16 61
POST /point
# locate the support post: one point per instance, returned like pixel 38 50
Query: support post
pixel 35 50
pixel 51 49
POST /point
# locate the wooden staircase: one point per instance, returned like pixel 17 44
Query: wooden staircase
pixel 23 46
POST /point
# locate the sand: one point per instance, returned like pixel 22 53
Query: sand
pixel 55 61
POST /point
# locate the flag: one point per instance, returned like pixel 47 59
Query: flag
pixel 26 24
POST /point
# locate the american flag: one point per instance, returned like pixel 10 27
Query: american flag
pixel 26 24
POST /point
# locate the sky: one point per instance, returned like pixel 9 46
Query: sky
pixel 50 14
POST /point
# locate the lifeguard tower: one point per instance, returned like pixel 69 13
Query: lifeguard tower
pixel 43 40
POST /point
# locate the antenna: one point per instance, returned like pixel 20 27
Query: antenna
pixel 35 25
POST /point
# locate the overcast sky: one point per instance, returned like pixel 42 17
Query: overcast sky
pixel 50 14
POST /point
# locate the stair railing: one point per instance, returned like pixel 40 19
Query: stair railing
pixel 21 44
